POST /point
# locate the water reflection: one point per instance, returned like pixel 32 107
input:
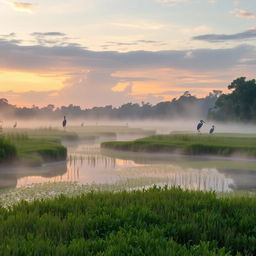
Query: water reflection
pixel 88 164
pixel 173 175
pixel 17 176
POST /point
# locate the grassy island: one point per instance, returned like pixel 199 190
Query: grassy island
pixel 8 151
pixel 152 222
pixel 191 144
pixel 23 150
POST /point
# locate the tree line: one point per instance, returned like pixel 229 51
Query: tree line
pixel 185 106
pixel 238 105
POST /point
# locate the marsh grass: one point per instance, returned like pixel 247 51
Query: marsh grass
pixel 8 151
pixel 43 132
pixel 20 148
pixel 37 150
pixel 148 222
pixel 191 144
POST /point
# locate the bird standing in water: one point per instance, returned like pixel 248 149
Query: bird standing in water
pixel 199 126
pixel 212 130
pixel 64 123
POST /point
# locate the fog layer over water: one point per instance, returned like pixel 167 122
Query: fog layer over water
pixel 160 126
pixel 88 164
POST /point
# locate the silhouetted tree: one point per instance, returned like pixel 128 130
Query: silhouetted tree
pixel 239 105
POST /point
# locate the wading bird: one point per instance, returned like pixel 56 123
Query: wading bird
pixel 212 130
pixel 200 124
pixel 15 125
pixel 64 123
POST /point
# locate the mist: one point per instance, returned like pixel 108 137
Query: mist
pixel 159 126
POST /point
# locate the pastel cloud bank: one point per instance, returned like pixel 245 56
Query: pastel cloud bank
pixel 89 78
pixel 111 52
pixel 22 6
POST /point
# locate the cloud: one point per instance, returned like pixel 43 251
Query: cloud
pixel 240 13
pixel 109 44
pixel 47 34
pixel 172 1
pixel 138 24
pixel 52 39
pixel 248 34
pixel 90 75
pixel 22 6
pixel 198 29
pixel 37 57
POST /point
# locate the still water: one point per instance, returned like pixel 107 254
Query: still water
pixel 88 164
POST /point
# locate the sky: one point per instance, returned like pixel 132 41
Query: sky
pixel 110 52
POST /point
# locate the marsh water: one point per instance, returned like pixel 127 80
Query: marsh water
pixel 87 163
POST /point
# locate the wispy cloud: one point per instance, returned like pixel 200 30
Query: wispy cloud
pixel 22 6
pixel 47 34
pixel 248 34
pixel 139 24
pixel 52 38
pixel 172 1
pixel 240 13
pixel 198 29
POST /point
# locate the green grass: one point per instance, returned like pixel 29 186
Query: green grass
pixel 152 222
pixel 191 144
pixel 189 162
pixel 36 151
pixel 31 151
pixel 73 133
pixel 8 152
pixel 44 132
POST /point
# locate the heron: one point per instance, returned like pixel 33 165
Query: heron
pixel 200 124
pixel 64 122
pixel 15 125
pixel 212 130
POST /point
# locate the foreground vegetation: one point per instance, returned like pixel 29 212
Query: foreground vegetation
pixel 192 144
pixel 152 222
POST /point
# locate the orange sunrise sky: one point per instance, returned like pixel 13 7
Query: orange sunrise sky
pixel 110 52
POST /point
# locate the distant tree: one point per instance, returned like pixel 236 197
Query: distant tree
pixel 239 105
pixel 187 94
pixel 185 106
pixel 3 101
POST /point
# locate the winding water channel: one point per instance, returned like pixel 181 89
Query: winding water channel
pixel 88 164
